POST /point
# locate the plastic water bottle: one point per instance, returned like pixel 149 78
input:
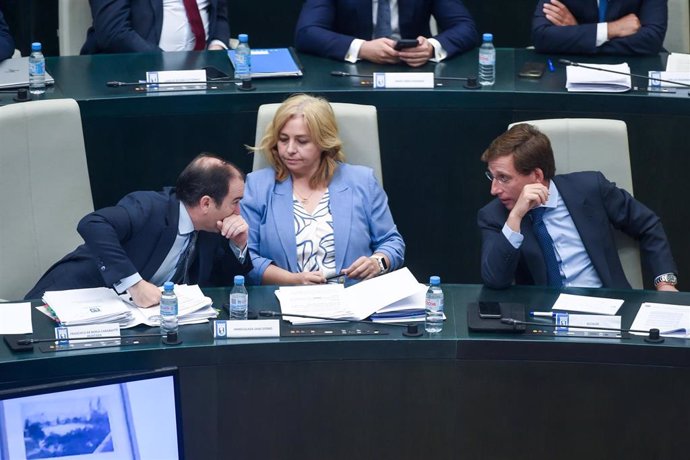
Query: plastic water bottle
pixel 37 70
pixel 434 306
pixel 487 61
pixel 239 299
pixel 169 311
pixel 243 61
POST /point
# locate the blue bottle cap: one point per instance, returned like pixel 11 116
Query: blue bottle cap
pixel 168 286
pixel 488 37
pixel 36 46
pixel 435 280
pixel 243 38
pixel 239 280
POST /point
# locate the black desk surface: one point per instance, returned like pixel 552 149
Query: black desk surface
pixel 481 395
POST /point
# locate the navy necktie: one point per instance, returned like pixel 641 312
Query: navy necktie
pixel 553 273
pixel 602 10
pixel 383 20
pixel 181 275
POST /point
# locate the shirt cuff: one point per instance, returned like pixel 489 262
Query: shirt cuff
pixel 514 238
pixel 239 253
pixel 439 53
pixel 602 33
pixel 218 42
pixel 353 52
pixel 126 283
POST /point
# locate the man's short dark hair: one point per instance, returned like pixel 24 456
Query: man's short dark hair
pixel 530 148
pixel 207 174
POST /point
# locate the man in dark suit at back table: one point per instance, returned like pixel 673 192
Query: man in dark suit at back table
pixel 367 29
pixel 624 27
pixel 191 234
pixel 557 230
pixel 131 26
pixel 6 41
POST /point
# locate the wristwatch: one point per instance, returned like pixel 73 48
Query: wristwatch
pixel 383 266
pixel 668 278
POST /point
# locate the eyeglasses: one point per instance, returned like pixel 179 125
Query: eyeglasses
pixel 501 178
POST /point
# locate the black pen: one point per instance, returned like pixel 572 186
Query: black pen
pixel 339 275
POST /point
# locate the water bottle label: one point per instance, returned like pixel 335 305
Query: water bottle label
pixel 168 308
pixel 37 68
pixel 434 304
pixel 487 59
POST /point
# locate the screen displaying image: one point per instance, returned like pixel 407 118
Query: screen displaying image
pixel 134 419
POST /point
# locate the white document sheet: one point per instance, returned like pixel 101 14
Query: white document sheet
pixel 585 304
pixel 671 320
pixel 355 302
pixel 87 306
pixel 596 81
pixel 678 62
pixel 15 318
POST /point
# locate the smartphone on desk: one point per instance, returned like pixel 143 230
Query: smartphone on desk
pixel 532 69
pixel 490 310
pixel 405 43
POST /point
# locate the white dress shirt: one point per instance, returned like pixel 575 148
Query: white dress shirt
pixel 176 34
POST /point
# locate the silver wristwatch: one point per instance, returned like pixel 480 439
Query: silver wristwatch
pixel 383 267
pixel 668 278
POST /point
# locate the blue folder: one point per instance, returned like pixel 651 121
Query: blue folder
pixel 272 62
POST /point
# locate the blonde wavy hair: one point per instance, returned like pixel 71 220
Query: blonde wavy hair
pixel 320 121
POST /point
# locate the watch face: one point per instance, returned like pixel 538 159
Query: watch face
pixel 383 263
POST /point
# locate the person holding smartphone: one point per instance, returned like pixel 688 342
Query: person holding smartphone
pixel 385 31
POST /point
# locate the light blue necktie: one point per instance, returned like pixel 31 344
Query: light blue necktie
pixel 553 273
pixel 383 20
pixel 602 10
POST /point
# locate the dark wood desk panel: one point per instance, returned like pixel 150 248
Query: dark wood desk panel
pixel 457 395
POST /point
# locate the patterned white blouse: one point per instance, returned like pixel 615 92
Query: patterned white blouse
pixel 314 237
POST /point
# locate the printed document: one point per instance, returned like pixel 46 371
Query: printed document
pixel 597 81
pixel 671 320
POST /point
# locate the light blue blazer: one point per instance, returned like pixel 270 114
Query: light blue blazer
pixel 362 222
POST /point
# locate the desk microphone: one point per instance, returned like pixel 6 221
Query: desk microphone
pixel 411 330
pixel 23 343
pixel 117 84
pixel 653 334
pixel 645 77
pixel 471 80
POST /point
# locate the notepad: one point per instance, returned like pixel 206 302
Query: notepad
pixel 597 81
pixel 272 62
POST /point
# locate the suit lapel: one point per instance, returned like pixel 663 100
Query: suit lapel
pixel 341 210
pixel 588 224
pixel 281 208
pixel 166 239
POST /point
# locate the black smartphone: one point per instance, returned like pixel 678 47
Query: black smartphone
pixel 214 73
pixel 405 43
pixel 489 310
pixel 532 69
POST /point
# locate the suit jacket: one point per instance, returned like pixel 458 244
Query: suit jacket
pixel 362 222
pixel 327 27
pixel 132 26
pixel 136 236
pixel 596 206
pixel 581 39
pixel 6 41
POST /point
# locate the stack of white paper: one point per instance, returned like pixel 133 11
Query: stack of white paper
pixel 678 62
pixel 87 306
pixel 592 80
pixel 355 302
pixel 671 320
pixel 102 305
pixel 192 308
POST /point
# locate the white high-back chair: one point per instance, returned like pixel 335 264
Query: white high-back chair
pixel 74 19
pixel 678 32
pixel 44 189
pixel 589 144
pixel 358 128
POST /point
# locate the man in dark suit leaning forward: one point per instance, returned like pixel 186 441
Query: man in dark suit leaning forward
pixel 193 233
pixel 557 230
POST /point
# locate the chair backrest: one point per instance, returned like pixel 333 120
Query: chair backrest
pixel 678 32
pixel 358 128
pixel 74 19
pixel 44 189
pixel 589 144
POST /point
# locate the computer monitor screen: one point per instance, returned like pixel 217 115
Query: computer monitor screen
pixel 124 417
